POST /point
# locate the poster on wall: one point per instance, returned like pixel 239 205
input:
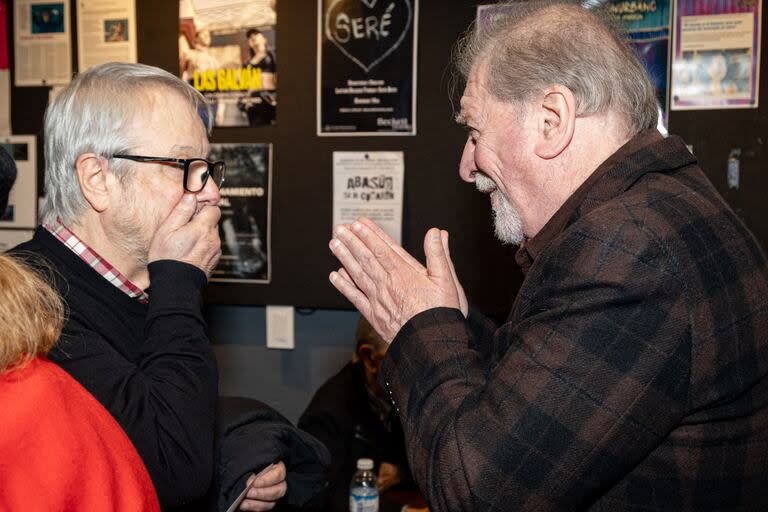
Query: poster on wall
pixel 369 184
pixel 366 67
pixel 5 72
pixel 106 32
pixel 22 202
pixel 42 42
pixel 716 56
pixel 648 27
pixel 227 52
pixel 10 238
pixel 245 213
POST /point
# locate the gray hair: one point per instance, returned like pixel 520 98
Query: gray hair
pixel 537 44
pixel 93 114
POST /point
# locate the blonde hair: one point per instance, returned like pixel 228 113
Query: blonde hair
pixel 31 314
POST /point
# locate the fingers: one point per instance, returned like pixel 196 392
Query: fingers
pixel 181 213
pixel 265 488
pixel 344 284
pixel 463 304
pixel 413 262
pixel 438 264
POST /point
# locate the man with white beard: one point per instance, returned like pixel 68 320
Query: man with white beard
pixel 631 372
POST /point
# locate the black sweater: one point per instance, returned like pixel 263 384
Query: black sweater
pixel 150 364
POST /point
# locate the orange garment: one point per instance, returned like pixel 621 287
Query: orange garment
pixel 61 450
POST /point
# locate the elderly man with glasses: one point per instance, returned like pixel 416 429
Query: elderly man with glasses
pixel 130 227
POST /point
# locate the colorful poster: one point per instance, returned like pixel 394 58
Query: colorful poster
pixel 369 184
pixel 22 202
pixel 366 67
pixel 648 26
pixel 227 52
pixel 43 45
pixel 245 213
pixel 106 32
pixel 716 54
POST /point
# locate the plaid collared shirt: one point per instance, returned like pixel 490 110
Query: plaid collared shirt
pixel 96 262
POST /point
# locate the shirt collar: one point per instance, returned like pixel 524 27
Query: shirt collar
pixel 95 261
pixel 530 249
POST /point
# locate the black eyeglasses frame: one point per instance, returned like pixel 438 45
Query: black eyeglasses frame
pixel 182 163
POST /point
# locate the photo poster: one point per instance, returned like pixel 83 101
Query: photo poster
pixel 366 67
pixel 10 238
pixel 43 44
pixel 22 201
pixel 716 55
pixel 245 213
pixel 5 72
pixel 106 32
pixel 369 184
pixel 227 52
pixel 648 24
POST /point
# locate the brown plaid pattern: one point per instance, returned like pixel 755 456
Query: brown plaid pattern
pixel 630 374
pixel 95 261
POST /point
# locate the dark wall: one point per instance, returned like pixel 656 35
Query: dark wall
pixel 434 195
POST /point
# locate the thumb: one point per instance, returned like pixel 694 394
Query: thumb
pixel 438 266
pixel 181 213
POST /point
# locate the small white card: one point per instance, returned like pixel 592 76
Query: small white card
pixel 280 327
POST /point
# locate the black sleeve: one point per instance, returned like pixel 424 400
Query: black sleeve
pixel 166 401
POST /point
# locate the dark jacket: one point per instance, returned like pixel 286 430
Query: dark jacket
pixel 631 373
pixel 340 416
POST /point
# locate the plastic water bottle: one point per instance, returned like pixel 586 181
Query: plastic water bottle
pixel 363 491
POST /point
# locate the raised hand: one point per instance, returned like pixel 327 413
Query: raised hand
pixel 385 283
pixel 189 237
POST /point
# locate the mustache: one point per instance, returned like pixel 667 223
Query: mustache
pixel 484 184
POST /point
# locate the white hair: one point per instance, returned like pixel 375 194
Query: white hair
pixel 93 115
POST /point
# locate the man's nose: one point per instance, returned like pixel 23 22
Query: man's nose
pixel 467 167
pixel 210 195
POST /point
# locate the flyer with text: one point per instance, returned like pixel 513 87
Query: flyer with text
pixel 366 67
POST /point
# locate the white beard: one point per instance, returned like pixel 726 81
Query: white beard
pixel 506 219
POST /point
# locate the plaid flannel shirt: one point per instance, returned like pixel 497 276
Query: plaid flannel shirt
pixel 630 374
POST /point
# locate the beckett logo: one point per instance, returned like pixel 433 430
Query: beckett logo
pixel 368 31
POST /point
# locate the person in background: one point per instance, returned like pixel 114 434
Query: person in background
pixel 59 448
pixel 632 370
pixel 353 416
pixel 130 229
pixel 260 105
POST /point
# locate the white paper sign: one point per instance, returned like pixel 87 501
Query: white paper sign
pixel 43 46
pixel 22 202
pixel 106 32
pixel 369 184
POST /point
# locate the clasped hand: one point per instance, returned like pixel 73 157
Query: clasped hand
pixel 189 235
pixel 385 283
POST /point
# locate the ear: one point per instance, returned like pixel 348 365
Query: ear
pixel 556 121
pixel 365 353
pixel 94 180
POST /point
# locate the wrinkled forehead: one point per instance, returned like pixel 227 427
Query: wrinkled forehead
pixel 475 91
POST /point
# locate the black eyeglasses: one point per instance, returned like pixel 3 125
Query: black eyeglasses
pixel 196 170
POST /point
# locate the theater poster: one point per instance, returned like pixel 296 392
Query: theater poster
pixel 716 57
pixel 227 52
pixel 245 213
pixel 21 211
pixel 366 71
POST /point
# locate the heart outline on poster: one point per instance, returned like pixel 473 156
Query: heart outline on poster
pixel 369 4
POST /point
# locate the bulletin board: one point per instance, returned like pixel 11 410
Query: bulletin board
pixel 434 195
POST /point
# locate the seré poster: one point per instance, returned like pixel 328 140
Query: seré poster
pixel 227 52
pixel 366 71
pixel 245 213
pixel 716 63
